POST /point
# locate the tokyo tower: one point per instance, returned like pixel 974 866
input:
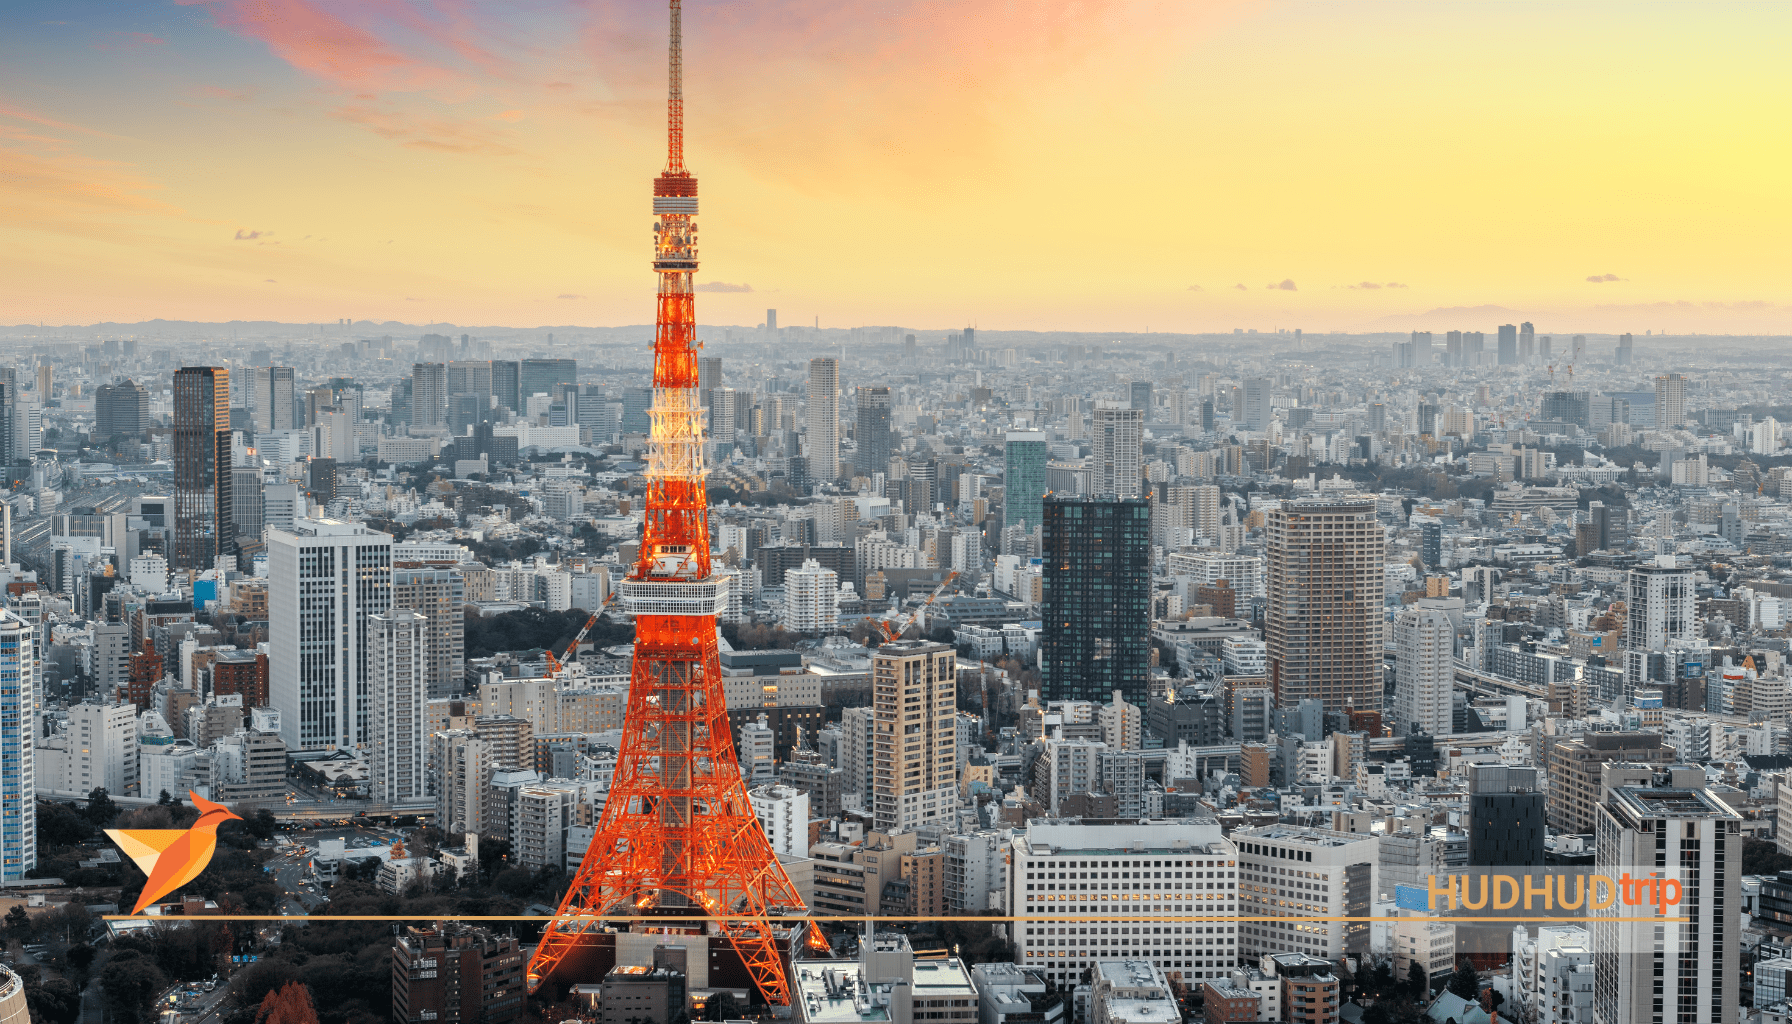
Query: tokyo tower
pixel 677 836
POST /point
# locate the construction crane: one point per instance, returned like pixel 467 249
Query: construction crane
pixel 896 632
pixel 1552 375
pixel 572 649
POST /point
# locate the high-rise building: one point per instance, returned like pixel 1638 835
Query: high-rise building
pixel 246 513
pixel 1670 401
pixel 539 377
pixel 1097 598
pixel 18 754
pixel 429 397
pixel 438 593
pixel 1023 483
pixel 1506 811
pixel 1681 966
pixel 914 686
pixel 771 321
pixel 1431 545
pixel 395 675
pixel 326 579
pixel 203 529
pixel 1324 622
pixel 1117 450
pixel 471 377
pixel 505 385
pixel 1256 403
pixel 1626 348
pixel 823 418
pixel 1425 672
pixel 1321 878
pixel 636 405
pixel 1527 342
pixel 811 599
pixel 271 395
pixel 1508 351
pixel 1139 396
pixel 120 409
pixel 1661 603
pixel 872 438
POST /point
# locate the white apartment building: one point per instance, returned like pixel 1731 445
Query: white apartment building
pixel 977 870
pixel 756 751
pixel 96 748
pixel 812 599
pixel 397 675
pixel 784 814
pixel 325 580
pixel 19 771
pixel 1547 976
pixel 1163 891
pixel 1299 873
pixel 1243 572
pixel 1244 656
pixel 1425 672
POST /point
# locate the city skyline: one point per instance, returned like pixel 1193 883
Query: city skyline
pixel 371 161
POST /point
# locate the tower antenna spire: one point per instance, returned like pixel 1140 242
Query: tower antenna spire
pixel 675 94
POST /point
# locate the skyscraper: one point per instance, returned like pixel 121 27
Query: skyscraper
pixel 1023 485
pixel 1256 402
pixel 1682 966
pixel 1425 672
pixel 823 418
pixel 395 672
pixel 1508 351
pixel 1527 342
pixel 437 593
pixel 538 377
pixel 1097 598
pixel 1670 401
pixel 505 384
pixel 1626 348
pixel 203 528
pixel 18 756
pixel 471 377
pixel 1661 605
pixel 326 580
pixel 429 397
pixel 872 437
pixel 1118 446
pixel 1140 396
pixel 915 768
pixel 1324 623
pixel 271 397
pixel 121 409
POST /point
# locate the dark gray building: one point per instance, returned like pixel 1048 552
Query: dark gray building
pixel 1097 607
pixel 1506 807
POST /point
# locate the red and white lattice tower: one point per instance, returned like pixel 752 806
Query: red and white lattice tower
pixel 677 834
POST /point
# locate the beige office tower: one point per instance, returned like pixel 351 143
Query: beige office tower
pixel 1325 603
pixel 438 594
pixel 915 758
pixel 1670 401
pixel 823 418
pixel 1118 447
pixel 1681 966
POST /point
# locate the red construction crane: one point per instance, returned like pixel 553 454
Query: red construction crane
pixel 572 649
pixel 895 633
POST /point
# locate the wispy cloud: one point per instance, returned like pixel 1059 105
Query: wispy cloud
pixel 723 286
pixel 568 295
pixel 1241 288
pixel 1194 287
pixel 1603 278
pixel 1287 285
pixel 314 39
pixel 249 236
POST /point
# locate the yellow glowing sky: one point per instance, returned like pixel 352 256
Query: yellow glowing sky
pixel 1018 164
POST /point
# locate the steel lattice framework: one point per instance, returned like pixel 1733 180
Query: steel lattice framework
pixel 677 832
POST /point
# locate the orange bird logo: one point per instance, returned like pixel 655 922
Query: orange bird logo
pixel 172 857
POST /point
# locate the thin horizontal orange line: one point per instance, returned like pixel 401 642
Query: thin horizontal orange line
pixel 656 919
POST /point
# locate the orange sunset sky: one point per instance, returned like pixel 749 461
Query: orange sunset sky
pixel 1017 164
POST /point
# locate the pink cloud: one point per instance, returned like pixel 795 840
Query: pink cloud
pixel 313 39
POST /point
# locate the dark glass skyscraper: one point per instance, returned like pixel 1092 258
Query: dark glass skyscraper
pixel 538 377
pixel 204 526
pixel 871 438
pixel 504 383
pixel 1097 608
